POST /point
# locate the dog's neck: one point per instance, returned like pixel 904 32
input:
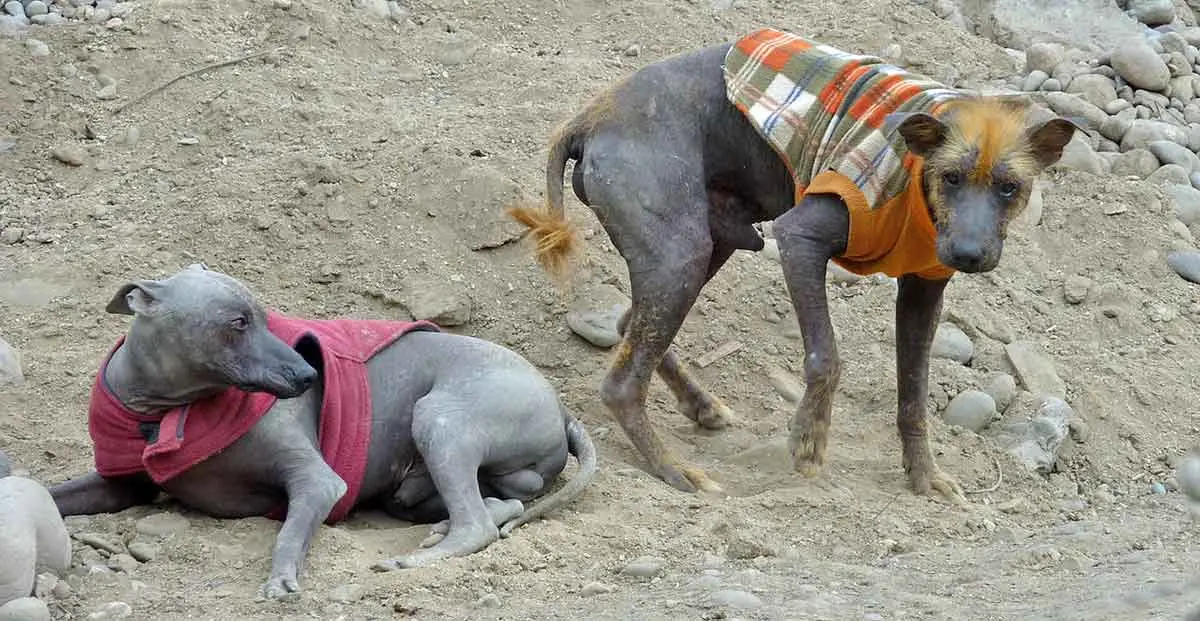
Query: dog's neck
pixel 145 381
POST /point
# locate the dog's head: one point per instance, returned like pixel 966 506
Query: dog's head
pixel 980 164
pixel 205 327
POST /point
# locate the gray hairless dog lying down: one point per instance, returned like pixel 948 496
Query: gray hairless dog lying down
pixel 32 534
pixel 238 411
pixel 682 158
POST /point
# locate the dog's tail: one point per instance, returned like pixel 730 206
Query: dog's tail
pixel 579 443
pixel 554 235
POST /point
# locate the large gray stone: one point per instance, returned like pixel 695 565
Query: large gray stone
pixel 1094 88
pixel 1139 163
pixel 1036 371
pixel 1169 152
pixel 1137 63
pixel 1036 443
pixel 1170 174
pixel 1044 57
pixel 1153 12
pixel 1079 155
pixel 970 409
pixel 1074 105
pixel 1186 202
pixel 1142 132
pixel 1091 25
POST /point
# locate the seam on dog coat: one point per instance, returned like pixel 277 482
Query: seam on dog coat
pixel 190 434
pixel 823 111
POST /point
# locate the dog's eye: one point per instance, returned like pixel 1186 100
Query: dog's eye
pixel 239 324
pixel 951 178
pixel 1008 189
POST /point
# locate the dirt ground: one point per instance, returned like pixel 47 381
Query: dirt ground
pixel 367 161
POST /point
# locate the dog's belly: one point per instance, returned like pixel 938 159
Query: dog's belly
pixel 216 489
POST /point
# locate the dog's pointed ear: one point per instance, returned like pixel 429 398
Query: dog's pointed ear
pixel 135 298
pixel 1047 140
pixel 922 133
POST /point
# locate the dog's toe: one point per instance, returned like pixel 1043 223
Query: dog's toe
pixel 709 413
pixel 934 480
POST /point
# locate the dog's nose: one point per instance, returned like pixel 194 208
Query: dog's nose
pixel 967 255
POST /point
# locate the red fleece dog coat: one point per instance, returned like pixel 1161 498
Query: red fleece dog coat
pixel 190 434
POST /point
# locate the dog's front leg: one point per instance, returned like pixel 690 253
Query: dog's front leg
pixel 808 235
pixel 92 493
pixel 313 488
pixel 918 307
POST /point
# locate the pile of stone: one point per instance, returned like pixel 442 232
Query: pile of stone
pixel 110 13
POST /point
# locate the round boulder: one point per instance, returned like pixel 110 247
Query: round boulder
pixel 970 409
pixel 1094 88
pixel 1137 63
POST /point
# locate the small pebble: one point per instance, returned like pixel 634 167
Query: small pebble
pixel 598 327
pixel 161 525
pixel 99 542
pixel 1075 289
pixel 142 551
pixel 12 235
pixel 970 409
pixel 1158 488
pixel 733 598
pixel 347 593
pixel 37 48
pixel 69 154
pixel 123 563
pixel 1188 474
pixel 489 601
pixel 594 588
pixel 25 609
pixel 1186 263
pixel 633 50
pixel 644 567
pixel 952 343
pixel 112 610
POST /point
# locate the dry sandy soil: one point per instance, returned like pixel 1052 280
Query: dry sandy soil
pixel 367 161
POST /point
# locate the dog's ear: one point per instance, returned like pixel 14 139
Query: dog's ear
pixel 922 133
pixel 1047 140
pixel 135 298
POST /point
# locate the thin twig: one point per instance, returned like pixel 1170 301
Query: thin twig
pixel 191 74
pixel 995 486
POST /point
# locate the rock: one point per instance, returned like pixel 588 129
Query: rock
pixel 1153 12
pixel 1035 371
pixel 44 586
pixel 445 306
pixel 644 567
pixel 732 598
pixel 10 365
pixel 1034 80
pixel 1182 88
pixel 15 8
pixel 1002 389
pixel 1043 57
pixel 1186 263
pixel 771 250
pixel 1095 89
pixel 598 327
pixel 1074 105
pixel 161 525
pixel 1114 127
pixel 1178 65
pixel 12 235
pixel 595 588
pixel 1173 42
pixel 1091 25
pixel 122 562
pixel 37 48
pixel 1142 132
pixel 112 610
pixel 1170 174
pixel 1138 64
pixel 1075 289
pixel 1139 163
pixel 1188 474
pixel 1117 105
pixel 35 8
pixel 951 343
pixel 143 551
pixel 1036 443
pixel 347 593
pixel 970 409
pixel 1052 85
pixel 1169 152
pixel 69 154
pixel 25 608
pixel 1079 155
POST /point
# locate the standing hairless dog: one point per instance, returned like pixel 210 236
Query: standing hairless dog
pixel 854 160
pixel 238 411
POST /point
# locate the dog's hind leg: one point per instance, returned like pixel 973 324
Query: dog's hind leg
pixel 695 402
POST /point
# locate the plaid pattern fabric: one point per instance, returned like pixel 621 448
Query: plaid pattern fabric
pixel 824 109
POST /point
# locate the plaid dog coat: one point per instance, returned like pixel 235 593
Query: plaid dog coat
pixel 823 111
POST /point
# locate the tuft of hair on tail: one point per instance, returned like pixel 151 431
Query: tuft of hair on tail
pixel 554 236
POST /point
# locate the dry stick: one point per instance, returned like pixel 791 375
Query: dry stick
pixel 191 74
pixel 995 486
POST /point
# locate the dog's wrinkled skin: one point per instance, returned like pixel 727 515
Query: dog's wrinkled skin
pixel 32 535
pixel 463 430
pixel 678 176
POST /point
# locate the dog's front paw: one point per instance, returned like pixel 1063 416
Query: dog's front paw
pixel 280 588
pixel 686 478
pixel 708 412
